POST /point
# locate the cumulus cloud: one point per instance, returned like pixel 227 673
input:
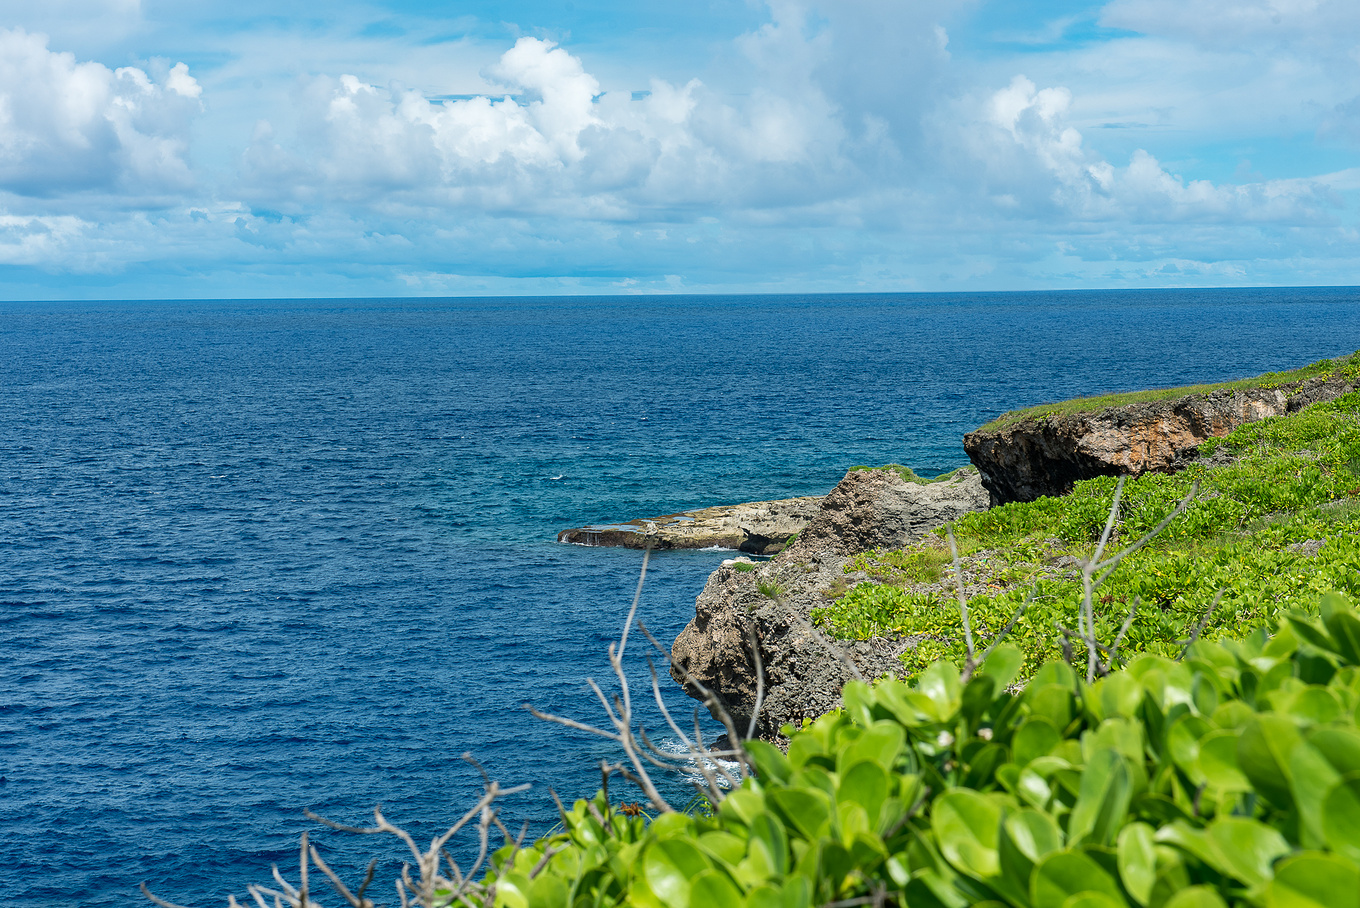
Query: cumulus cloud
pixel 1038 164
pixel 68 126
pixel 555 142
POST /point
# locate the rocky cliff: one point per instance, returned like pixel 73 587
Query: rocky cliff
pixel 758 527
pixel 772 600
pixel 1046 455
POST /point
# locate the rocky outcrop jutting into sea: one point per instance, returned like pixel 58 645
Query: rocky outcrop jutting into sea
pixel 1046 455
pixel 758 527
pixel 804 676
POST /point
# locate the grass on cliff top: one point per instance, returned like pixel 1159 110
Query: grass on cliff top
pixel 1346 365
pixel 1272 530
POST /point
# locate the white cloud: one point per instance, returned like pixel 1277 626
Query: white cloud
pixel 1230 23
pixel 555 143
pixel 68 126
pixel 1037 165
pixel 37 240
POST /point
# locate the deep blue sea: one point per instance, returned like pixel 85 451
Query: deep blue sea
pixel 257 556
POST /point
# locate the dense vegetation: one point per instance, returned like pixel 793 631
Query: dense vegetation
pixel 1274 524
pixel 1229 778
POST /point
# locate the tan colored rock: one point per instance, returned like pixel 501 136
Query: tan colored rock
pixel 1045 456
pixel 758 527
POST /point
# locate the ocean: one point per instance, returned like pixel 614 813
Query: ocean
pixel 261 556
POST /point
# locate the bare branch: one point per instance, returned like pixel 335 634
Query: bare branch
pixel 1181 507
pixel 1199 628
pixel 1010 626
pixel 963 601
pixel 760 683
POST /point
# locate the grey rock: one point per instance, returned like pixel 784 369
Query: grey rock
pixel 758 527
pixel 1309 548
pixel 804 671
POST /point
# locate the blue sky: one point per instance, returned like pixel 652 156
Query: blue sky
pixel 153 149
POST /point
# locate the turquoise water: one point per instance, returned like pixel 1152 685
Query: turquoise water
pixel 261 556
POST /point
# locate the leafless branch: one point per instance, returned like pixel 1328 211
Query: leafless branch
pixel 1095 571
pixel 963 601
pixel 1199 628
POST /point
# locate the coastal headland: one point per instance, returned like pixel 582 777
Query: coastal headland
pixel 864 588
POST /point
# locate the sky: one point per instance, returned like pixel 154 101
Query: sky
pixel 242 148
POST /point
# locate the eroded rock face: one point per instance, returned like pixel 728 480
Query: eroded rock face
pixel 1035 457
pixel 804 672
pixel 758 527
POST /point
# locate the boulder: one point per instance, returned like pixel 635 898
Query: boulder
pixel 771 602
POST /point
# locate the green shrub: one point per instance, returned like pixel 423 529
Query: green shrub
pixel 1229 778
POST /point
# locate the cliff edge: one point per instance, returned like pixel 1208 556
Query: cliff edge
pixel 1045 454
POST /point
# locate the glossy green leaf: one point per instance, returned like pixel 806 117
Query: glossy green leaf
pixel 1051 701
pixel 1183 744
pixel 977 696
pixel 966 826
pixel 1027 837
pixel 1341 817
pixel 795 893
pixel 1092 900
pixel 1310 633
pixel 1263 756
pixel 808 810
pixel 1247 848
pixel 1103 801
pixel 868 785
pixel 940 685
pixel 1311 777
pixel 669 865
pixel 858 701
pixel 743 804
pixel 1118 694
pixel 1068 873
pixel 880 743
pixel 1036 737
pixel 1339 745
pixel 768 833
pixel 770 760
pixel 723 846
pixel 1344 627
pixel 1003 664
pixel 1217 762
pixel 1059 673
pixel 763 896
pixel 1137 860
pixel 1314 880
pixel 1197 897
pixel 711 889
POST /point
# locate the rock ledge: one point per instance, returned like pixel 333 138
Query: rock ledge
pixel 757 527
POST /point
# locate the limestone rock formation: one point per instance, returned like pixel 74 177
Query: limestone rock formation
pixel 758 527
pixel 770 602
pixel 1045 456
